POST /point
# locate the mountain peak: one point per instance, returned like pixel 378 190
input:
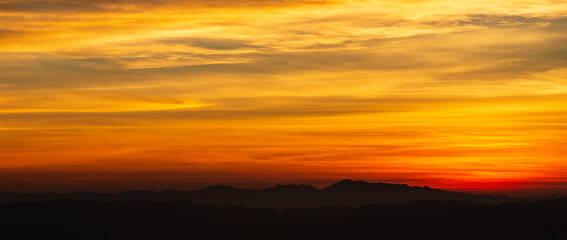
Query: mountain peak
pixel 347 184
pixel 350 185
pixel 346 180
pixel 351 182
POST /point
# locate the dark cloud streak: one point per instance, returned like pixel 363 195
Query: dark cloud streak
pixel 81 6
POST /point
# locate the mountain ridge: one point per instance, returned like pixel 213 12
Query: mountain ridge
pixel 344 193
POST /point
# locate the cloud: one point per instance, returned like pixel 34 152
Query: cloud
pixel 446 89
pixel 244 108
pixel 48 6
pixel 260 109
pixel 5 33
pixel 210 43
pixel 82 6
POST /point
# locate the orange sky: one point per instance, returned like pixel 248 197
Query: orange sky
pixel 112 95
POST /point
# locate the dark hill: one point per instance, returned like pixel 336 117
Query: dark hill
pixel 344 193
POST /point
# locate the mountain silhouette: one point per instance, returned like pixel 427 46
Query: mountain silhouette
pixel 345 193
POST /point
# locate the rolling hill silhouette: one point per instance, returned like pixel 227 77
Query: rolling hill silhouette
pixel 346 193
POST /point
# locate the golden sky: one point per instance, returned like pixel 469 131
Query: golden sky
pixel 112 95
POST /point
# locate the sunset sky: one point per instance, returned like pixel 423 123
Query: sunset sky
pixel 114 95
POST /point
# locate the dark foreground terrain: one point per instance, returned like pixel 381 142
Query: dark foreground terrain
pixel 426 219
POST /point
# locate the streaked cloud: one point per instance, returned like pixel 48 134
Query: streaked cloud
pixel 81 6
pixel 428 92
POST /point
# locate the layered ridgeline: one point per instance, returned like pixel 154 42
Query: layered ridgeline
pixel 346 193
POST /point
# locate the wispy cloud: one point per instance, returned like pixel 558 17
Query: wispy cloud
pixel 432 90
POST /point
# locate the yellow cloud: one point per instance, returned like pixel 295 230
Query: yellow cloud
pixel 418 90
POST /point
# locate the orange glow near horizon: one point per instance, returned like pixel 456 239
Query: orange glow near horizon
pixel 123 94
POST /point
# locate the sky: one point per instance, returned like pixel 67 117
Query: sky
pixel 114 95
